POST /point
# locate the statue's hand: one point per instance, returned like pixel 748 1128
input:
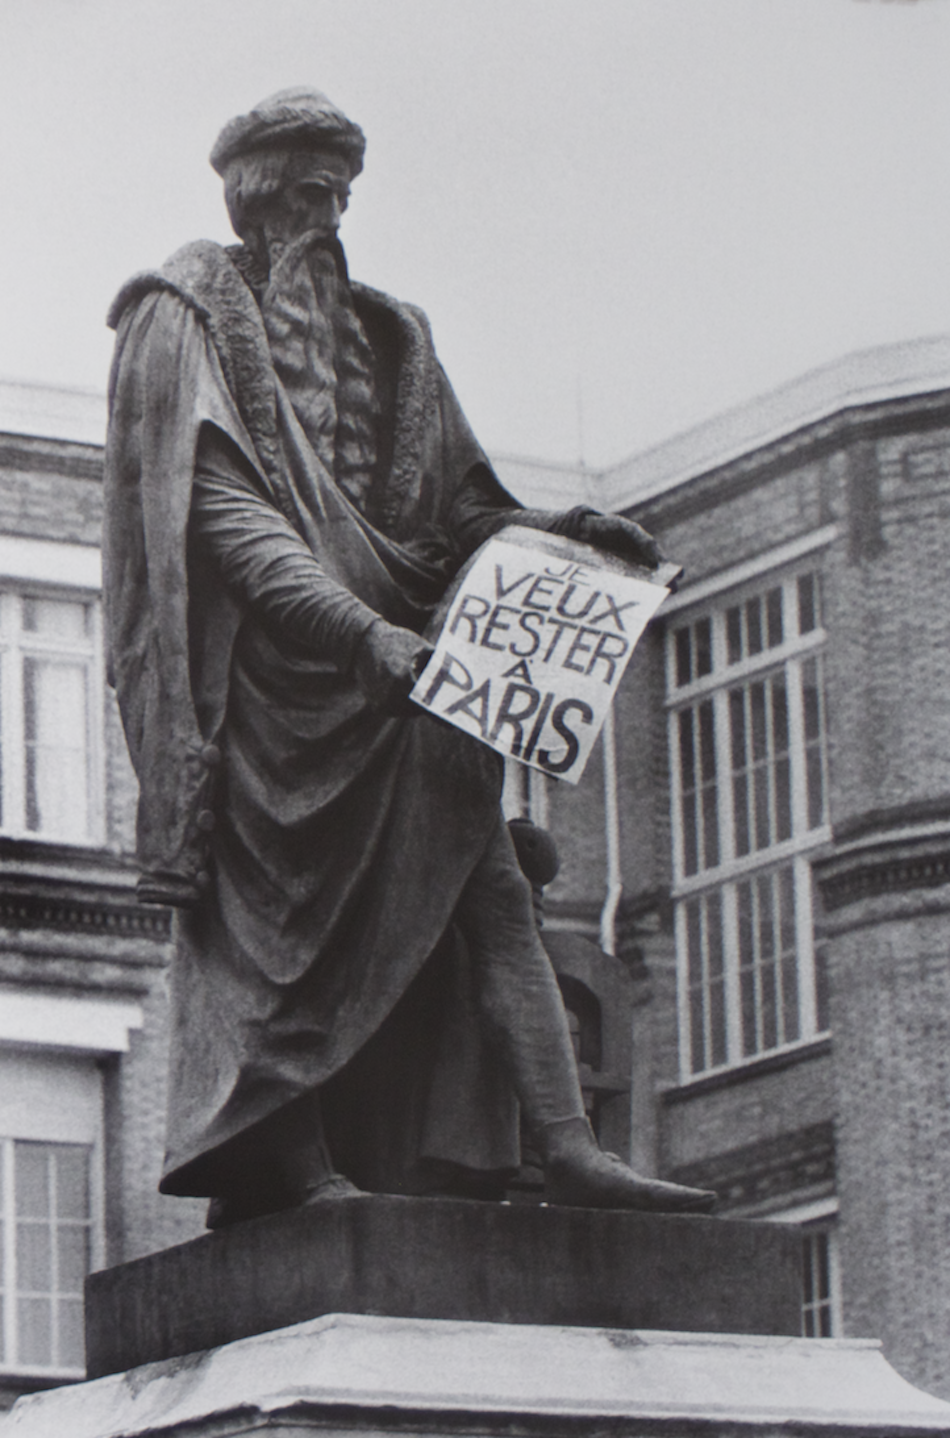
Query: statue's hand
pixel 388 662
pixel 620 536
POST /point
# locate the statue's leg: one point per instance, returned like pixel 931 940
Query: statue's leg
pixel 520 999
pixel 282 1162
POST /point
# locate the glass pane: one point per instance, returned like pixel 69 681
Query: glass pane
pixel 766 957
pixel 780 743
pixel 694 943
pixel 786 881
pixel 740 805
pixel 707 754
pixel 808 1277
pixel 821 1255
pixel 33 1258
pixel 703 647
pixel 753 616
pixel 714 917
pixel 717 990
pixel 779 714
pixel 816 803
pixel 54 718
pixel 774 617
pixel 822 995
pixel 71 1345
pixel 811 699
pixel 688 784
pixel 790 1021
pixel 687 770
pixel 783 800
pixel 807 618
pixel 707 742
pixel 762 835
pixel 72 1181
pixel 734 635
pixel 814 743
pixel 690 837
pixel 695 958
pixel 759 731
pixel 684 658
pixel 737 722
pixel 56 618
pixel 73 1254
pixel 747 969
pixel 32 1180
pixel 35 1330
pixel 710 828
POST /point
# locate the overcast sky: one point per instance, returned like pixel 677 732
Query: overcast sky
pixel 622 216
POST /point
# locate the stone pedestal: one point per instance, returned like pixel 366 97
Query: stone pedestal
pixel 445 1259
pixel 350 1374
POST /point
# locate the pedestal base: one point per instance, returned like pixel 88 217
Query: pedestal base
pixel 374 1376
pixel 449 1259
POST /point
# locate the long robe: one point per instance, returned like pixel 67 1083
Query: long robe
pixel 323 847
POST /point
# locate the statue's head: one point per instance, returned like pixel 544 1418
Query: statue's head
pixel 287 167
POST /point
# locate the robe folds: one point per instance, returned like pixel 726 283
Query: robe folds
pixel 317 848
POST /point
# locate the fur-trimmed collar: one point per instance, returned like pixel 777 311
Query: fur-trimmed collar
pixel 210 279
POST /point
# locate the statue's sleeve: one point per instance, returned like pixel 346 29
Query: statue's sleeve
pixel 263 558
pixel 482 507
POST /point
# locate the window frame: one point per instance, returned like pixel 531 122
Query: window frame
pixel 18 644
pixel 723 877
pixel 819 1217
pixel 38 1115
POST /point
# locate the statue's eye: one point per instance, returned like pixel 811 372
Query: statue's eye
pixel 313 190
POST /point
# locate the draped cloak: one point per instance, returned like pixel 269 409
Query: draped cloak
pixel 319 848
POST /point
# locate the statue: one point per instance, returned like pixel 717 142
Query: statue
pixel 290 487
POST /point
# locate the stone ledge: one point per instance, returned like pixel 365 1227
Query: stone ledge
pixel 445 1259
pixel 344 1373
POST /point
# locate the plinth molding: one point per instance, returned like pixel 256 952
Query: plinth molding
pixel 383 1375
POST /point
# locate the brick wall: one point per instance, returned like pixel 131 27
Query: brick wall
pixel 50 490
pixel 891 1017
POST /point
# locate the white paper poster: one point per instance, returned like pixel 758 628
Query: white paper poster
pixel 533 647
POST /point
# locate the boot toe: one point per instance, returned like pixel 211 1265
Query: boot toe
pixel 602 1180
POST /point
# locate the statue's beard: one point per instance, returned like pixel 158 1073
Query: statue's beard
pixel 323 358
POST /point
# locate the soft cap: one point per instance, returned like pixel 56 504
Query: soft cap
pixel 291 118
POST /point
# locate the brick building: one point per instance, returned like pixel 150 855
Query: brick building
pixel 82 965
pixel 763 838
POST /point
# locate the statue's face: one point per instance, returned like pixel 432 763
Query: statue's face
pixel 312 199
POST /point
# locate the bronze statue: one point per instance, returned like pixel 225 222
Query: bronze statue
pixel 290 487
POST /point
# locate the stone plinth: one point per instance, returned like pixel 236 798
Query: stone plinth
pixel 445 1259
pixel 374 1376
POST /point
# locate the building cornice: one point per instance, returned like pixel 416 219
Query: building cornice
pixel 801 410
pixel 67 889
pixel 768 1171
pixel 894 864
pixel 851 395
